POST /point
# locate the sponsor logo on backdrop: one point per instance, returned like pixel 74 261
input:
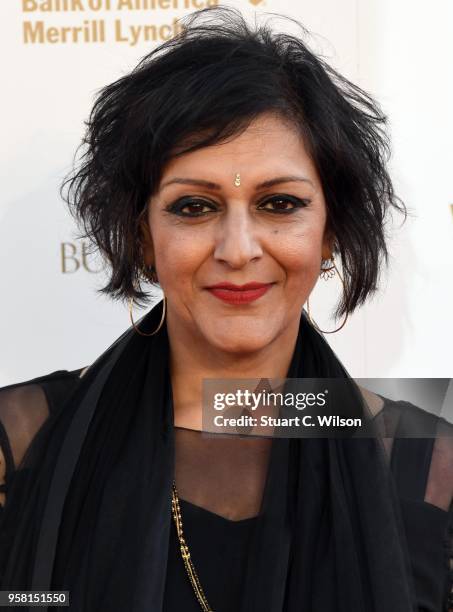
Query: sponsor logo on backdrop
pixel 130 22
pixel 75 256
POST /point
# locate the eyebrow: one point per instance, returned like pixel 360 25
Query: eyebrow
pixel 263 185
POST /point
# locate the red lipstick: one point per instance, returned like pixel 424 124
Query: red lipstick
pixel 239 294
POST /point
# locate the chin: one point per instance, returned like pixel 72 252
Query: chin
pixel 240 339
pixel 239 346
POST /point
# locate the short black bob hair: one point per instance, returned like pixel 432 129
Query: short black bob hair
pixel 205 85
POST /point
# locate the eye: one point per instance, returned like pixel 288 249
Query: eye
pixel 283 204
pixel 191 207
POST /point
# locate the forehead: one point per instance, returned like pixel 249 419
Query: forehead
pixel 269 144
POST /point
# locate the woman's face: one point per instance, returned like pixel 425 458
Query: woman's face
pixel 250 210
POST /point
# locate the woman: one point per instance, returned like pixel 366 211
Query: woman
pixel 230 167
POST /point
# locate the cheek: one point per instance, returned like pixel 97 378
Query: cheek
pixel 299 253
pixel 178 257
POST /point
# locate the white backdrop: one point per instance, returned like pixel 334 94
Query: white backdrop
pixel 54 60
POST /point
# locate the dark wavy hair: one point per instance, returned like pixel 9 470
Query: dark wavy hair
pixel 204 86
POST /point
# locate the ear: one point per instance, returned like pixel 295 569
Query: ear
pixel 146 241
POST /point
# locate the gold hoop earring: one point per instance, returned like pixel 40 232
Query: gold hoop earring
pixel 327 271
pixel 164 310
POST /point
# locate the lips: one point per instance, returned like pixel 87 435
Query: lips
pixel 239 294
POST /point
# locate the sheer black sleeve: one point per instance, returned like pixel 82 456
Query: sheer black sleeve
pixel 24 408
pixel 419 447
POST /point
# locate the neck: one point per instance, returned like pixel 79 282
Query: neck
pixel 192 360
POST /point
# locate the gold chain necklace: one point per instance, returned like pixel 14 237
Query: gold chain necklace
pixel 176 511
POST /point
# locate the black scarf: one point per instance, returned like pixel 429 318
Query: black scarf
pixel 92 504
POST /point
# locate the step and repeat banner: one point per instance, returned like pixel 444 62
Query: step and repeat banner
pixel 56 54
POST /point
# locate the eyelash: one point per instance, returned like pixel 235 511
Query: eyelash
pixel 176 208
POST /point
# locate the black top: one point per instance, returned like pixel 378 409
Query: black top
pixel 219 550
pixel 422 469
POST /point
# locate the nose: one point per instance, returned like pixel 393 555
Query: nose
pixel 237 240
